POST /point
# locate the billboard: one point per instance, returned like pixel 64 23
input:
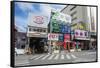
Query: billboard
pixel 81 34
pixel 38 20
pixel 61 16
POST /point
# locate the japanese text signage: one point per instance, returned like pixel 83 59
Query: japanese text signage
pixel 52 36
pixel 81 34
pixel 38 20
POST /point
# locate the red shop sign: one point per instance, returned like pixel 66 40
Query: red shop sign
pixel 67 36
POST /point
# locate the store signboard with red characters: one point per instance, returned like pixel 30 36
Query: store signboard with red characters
pixel 66 39
pixel 38 20
pixel 53 36
pixel 81 34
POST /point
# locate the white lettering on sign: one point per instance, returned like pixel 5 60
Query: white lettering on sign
pixel 53 36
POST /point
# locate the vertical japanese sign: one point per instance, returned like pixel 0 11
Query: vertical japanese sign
pixel 66 39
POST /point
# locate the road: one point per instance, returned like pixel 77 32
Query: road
pixel 39 59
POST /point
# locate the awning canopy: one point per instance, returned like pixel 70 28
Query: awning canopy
pixel 41 35
pixel 82 38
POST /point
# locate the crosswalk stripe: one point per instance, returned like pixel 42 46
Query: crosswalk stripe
pixel 73 56
pixel 45 57
pixel 56 56
pixel 68 57
pixel 51 57
pixel 38 57
pixel 34 57
pixel 62 56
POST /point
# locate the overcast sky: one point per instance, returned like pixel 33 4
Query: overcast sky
pixel 22 9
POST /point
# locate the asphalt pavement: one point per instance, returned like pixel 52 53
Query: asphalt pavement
pixel 69 57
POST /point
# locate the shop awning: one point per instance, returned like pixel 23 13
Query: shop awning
pixel 82 38
pixel 41 35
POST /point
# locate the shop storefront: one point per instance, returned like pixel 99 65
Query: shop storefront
pixel 82 39
pixel 53 42
pixel 37 33
pixel 37 43
pixel 93 41
pixel 67 42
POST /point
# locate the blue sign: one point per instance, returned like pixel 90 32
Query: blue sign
pixel 69 30
pixel 60 27
pixel 66 29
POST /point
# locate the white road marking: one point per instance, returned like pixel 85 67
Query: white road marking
pixel 34 57
pixel 90 53
pixel 45 57
pixel 73 56
pixel 51 57
pixel 38 57
pixel 24 62
pixel 56 56
pixel 62 56
pixel 68 57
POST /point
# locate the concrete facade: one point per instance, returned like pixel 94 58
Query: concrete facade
pixel 79 16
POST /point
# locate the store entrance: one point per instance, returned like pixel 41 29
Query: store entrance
pixel 37 45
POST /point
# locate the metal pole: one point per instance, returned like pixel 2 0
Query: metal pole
pixel 27 39
pixel 50 49
pixel 90 29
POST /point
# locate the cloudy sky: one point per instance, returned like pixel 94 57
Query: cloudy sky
pixel 22 9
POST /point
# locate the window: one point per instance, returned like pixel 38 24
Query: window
pixel 30 29
pixel 74 18
pixel 44 30
pixel 34 29
pixel 73 13
pixel 72 8
pixel 40 30
pixel 37 30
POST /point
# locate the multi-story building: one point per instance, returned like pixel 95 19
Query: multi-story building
pixel 37 32
pixel 79 16
pixel 20 40
pixel 82 19
pixel 93 26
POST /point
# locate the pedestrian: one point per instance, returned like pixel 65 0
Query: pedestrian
pixel 46 48
pixel 16 51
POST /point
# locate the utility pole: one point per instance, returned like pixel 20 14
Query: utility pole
pixel 50 48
